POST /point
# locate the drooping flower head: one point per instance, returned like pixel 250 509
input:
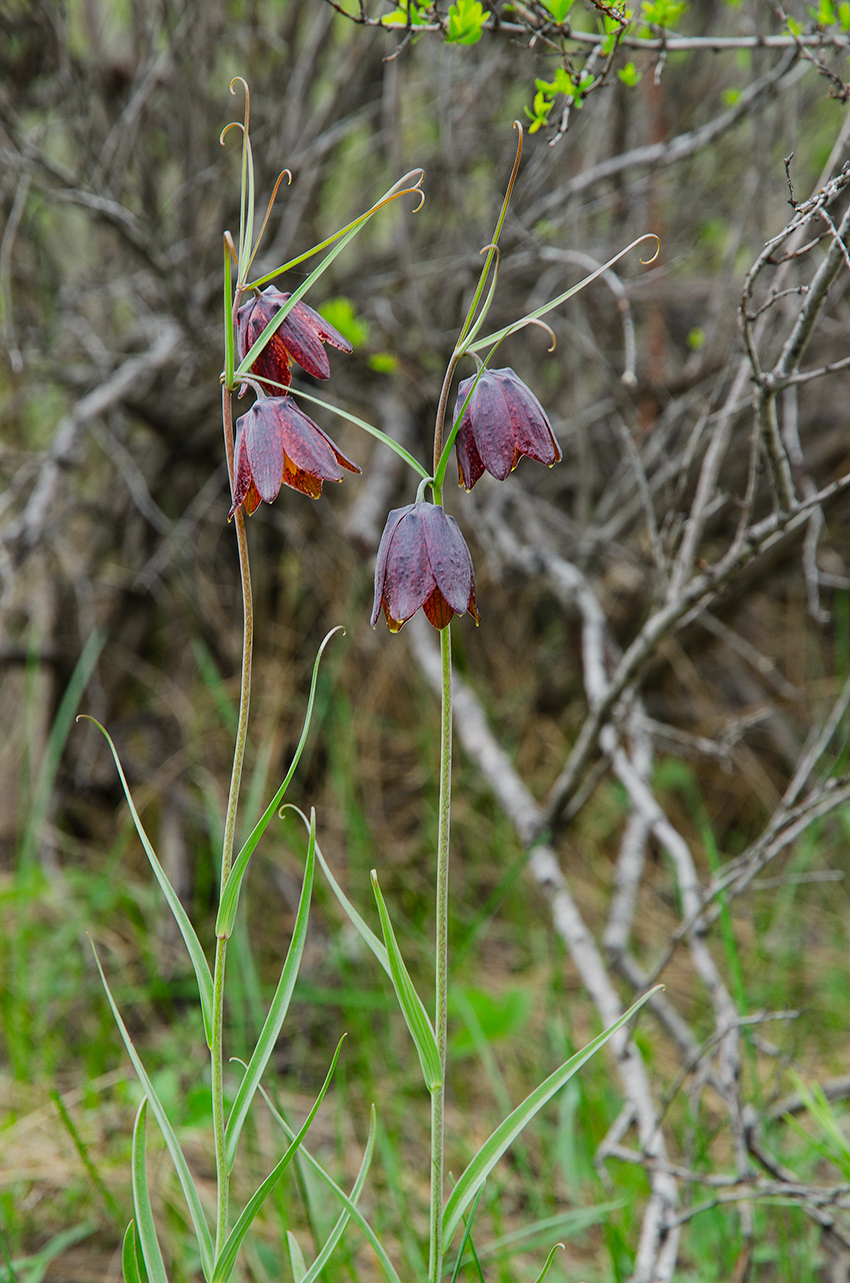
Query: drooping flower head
pixel 300 336
pixel 423 561
pixel 277 444
pixel 503 421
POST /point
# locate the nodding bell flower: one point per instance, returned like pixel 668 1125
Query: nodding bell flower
pixel 423 561
pixel 277 444
pixel 503 421
pixel 300 336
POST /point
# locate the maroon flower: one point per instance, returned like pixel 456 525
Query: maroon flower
pixel 502 421
pixel 277 444
pixel 423 561
pixel 300 335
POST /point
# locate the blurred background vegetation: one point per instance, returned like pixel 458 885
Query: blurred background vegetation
pixel 119 598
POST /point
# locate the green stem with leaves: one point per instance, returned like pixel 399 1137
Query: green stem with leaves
pixel 217 1048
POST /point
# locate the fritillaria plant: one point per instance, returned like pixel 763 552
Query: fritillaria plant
pixel 422 561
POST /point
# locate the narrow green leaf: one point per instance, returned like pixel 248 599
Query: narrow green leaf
pixel 56 741
pixel 467 1231
pixel 226 1260
pixel 358 1218
pixel 412 1008
pixel 230 892
pixel 367 427
pixel 339 1228
pixel 248 169
pixel 229 348
pixel 296 1257
pixel 151 1255
pixel 278 1009
pixel 561 298
pixel 547 1264
pixel 407 185
pixel 196 1212
pixel 129 1263
pixel 504 1135
pixel 363 930
pixel 193 944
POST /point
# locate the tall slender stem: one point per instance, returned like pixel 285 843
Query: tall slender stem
pixel 217 1048
pixel 438 1096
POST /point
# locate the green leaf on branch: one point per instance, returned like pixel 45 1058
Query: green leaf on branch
pixel 506 1133
pixel 151 1254
pixel 558 8
pixel 193 944
pixel 466 19
pixel 226 1259
pixel 408 14
pixel 663 13
pixel 277 1010
pixel 412 1007
pixel 229 902
pixel 630 74
pixel 190 1192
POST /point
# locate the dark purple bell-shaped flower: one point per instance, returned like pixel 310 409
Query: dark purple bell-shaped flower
pixel 423 561
pixel 300 336
pixel 277 444
pixel 503 421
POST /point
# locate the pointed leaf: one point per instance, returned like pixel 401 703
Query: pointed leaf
pixel 190 1193
pixel 230 892
pixel 151 1254
pixel 358 1218
pixel 226 1259
pixel 506 1133
pixel 278 1009
pixel 365 932
pixel 547 1264
pixel 193 944
pixel 129 1261
pixel 412 1008
pixel 296 1257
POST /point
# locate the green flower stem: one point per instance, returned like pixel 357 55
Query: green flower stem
pixel 217 1051
pixel 438 1096
pixel 217 1093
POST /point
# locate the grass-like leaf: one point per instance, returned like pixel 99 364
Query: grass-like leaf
pixel 547 1264
pixel 504 1135
pixel 412 1007
pixel 196 1212
pixel 226 1259
pixel 339 1228
pixel 129 1259
pixel 230 892
pixel 367 427
pixel 296 1258
pixel 56 741
pixel 278 1009
pixel 363 930
pixel 151 1255
pixel 229 345
pixel 193 944
pixel 354 1213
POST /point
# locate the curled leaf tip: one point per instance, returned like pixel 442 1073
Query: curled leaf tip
pixel 535 320
pixel 234 124
pixel 240 80
pixel 651 236
pixel 485 249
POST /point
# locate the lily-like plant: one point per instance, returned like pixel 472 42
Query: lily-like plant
pixel 423 561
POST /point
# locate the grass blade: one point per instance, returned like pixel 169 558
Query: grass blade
pixel 226 1260
pixel 59 732
pixel 230 892
pixel 504 1135
pixel 193 944
pixel 412 1008
pixel 339 1229
pixel 354 1213
pixel 547 1264
pixel 296 1257
pixel 278 1009
pixel 229 346
pixel 129 1260
pixel 196 1212
pixel 363 930
pixel 151 1255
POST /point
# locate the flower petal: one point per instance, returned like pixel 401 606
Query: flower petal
pixel 263 445
pixel 532 431
pixel 437 609
pixel 408 578
pixel 242 472
pixel 488 419
pixel 381 564
pixel 449 558
pixel 304 443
